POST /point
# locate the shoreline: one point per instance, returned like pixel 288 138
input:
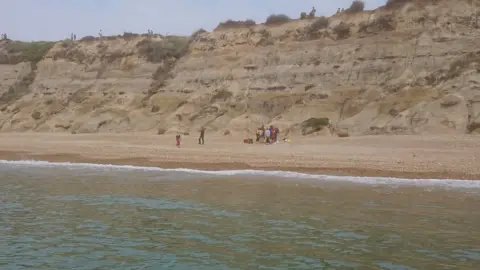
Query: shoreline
pixel 408 157
pixel 143 162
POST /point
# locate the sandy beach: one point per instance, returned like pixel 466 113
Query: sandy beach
pixel 444 157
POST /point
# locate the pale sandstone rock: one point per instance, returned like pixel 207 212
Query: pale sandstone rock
pixel 420 77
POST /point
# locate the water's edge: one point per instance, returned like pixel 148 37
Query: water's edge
pixel 454 183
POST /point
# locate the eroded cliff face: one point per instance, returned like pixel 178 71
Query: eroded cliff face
pixel 402 70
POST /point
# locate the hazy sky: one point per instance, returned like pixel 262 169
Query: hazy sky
pixel 56 19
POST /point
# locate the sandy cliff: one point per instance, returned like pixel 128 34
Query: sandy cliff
pixel 411 68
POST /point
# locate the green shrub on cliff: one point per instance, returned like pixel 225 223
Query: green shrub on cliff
pixel 129 35
pixel 313 125
pixel 198 33
pixel 276 19
pixel 158 50
pixel 399 3
pixel 222 95
pixel 235 24
pixel 357 6
pixel 320 23
pixel 88 38
pixel 20 51
pixel 342 30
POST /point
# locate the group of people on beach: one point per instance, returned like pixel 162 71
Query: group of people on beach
pixel 201 138
pixel 268 135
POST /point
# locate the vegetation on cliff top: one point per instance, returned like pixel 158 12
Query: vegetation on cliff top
pixel 235 24
pixel 158 50
pixel 19 51
pixel 276 19
pixel 356 6
pixel 399 3
pixel 320 23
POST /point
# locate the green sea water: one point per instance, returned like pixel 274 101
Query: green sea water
pixel 60 217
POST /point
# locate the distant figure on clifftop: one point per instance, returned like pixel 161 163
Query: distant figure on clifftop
pixel 312 12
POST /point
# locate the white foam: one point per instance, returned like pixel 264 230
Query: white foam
pixel 454 183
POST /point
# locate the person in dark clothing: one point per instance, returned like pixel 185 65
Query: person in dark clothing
pixel 201 139
pixel 276 134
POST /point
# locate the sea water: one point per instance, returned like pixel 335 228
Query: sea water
pixel 86 216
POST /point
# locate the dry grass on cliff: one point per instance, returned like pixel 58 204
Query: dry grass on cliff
pixel 455 69
pixel 222 95
pixel 461 64
pixel 18 90
pixel 383 23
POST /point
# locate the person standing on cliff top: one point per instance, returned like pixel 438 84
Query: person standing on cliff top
pixel 201 139
pixel 312 12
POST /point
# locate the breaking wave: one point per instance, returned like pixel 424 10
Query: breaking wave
pixel 454 183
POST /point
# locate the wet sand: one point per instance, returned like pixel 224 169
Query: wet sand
pixel 444 157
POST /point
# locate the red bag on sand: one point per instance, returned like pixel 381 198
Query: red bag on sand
pixel 249 141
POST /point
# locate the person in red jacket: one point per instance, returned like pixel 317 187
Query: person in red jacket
pixel 178 140
pixel 272 134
